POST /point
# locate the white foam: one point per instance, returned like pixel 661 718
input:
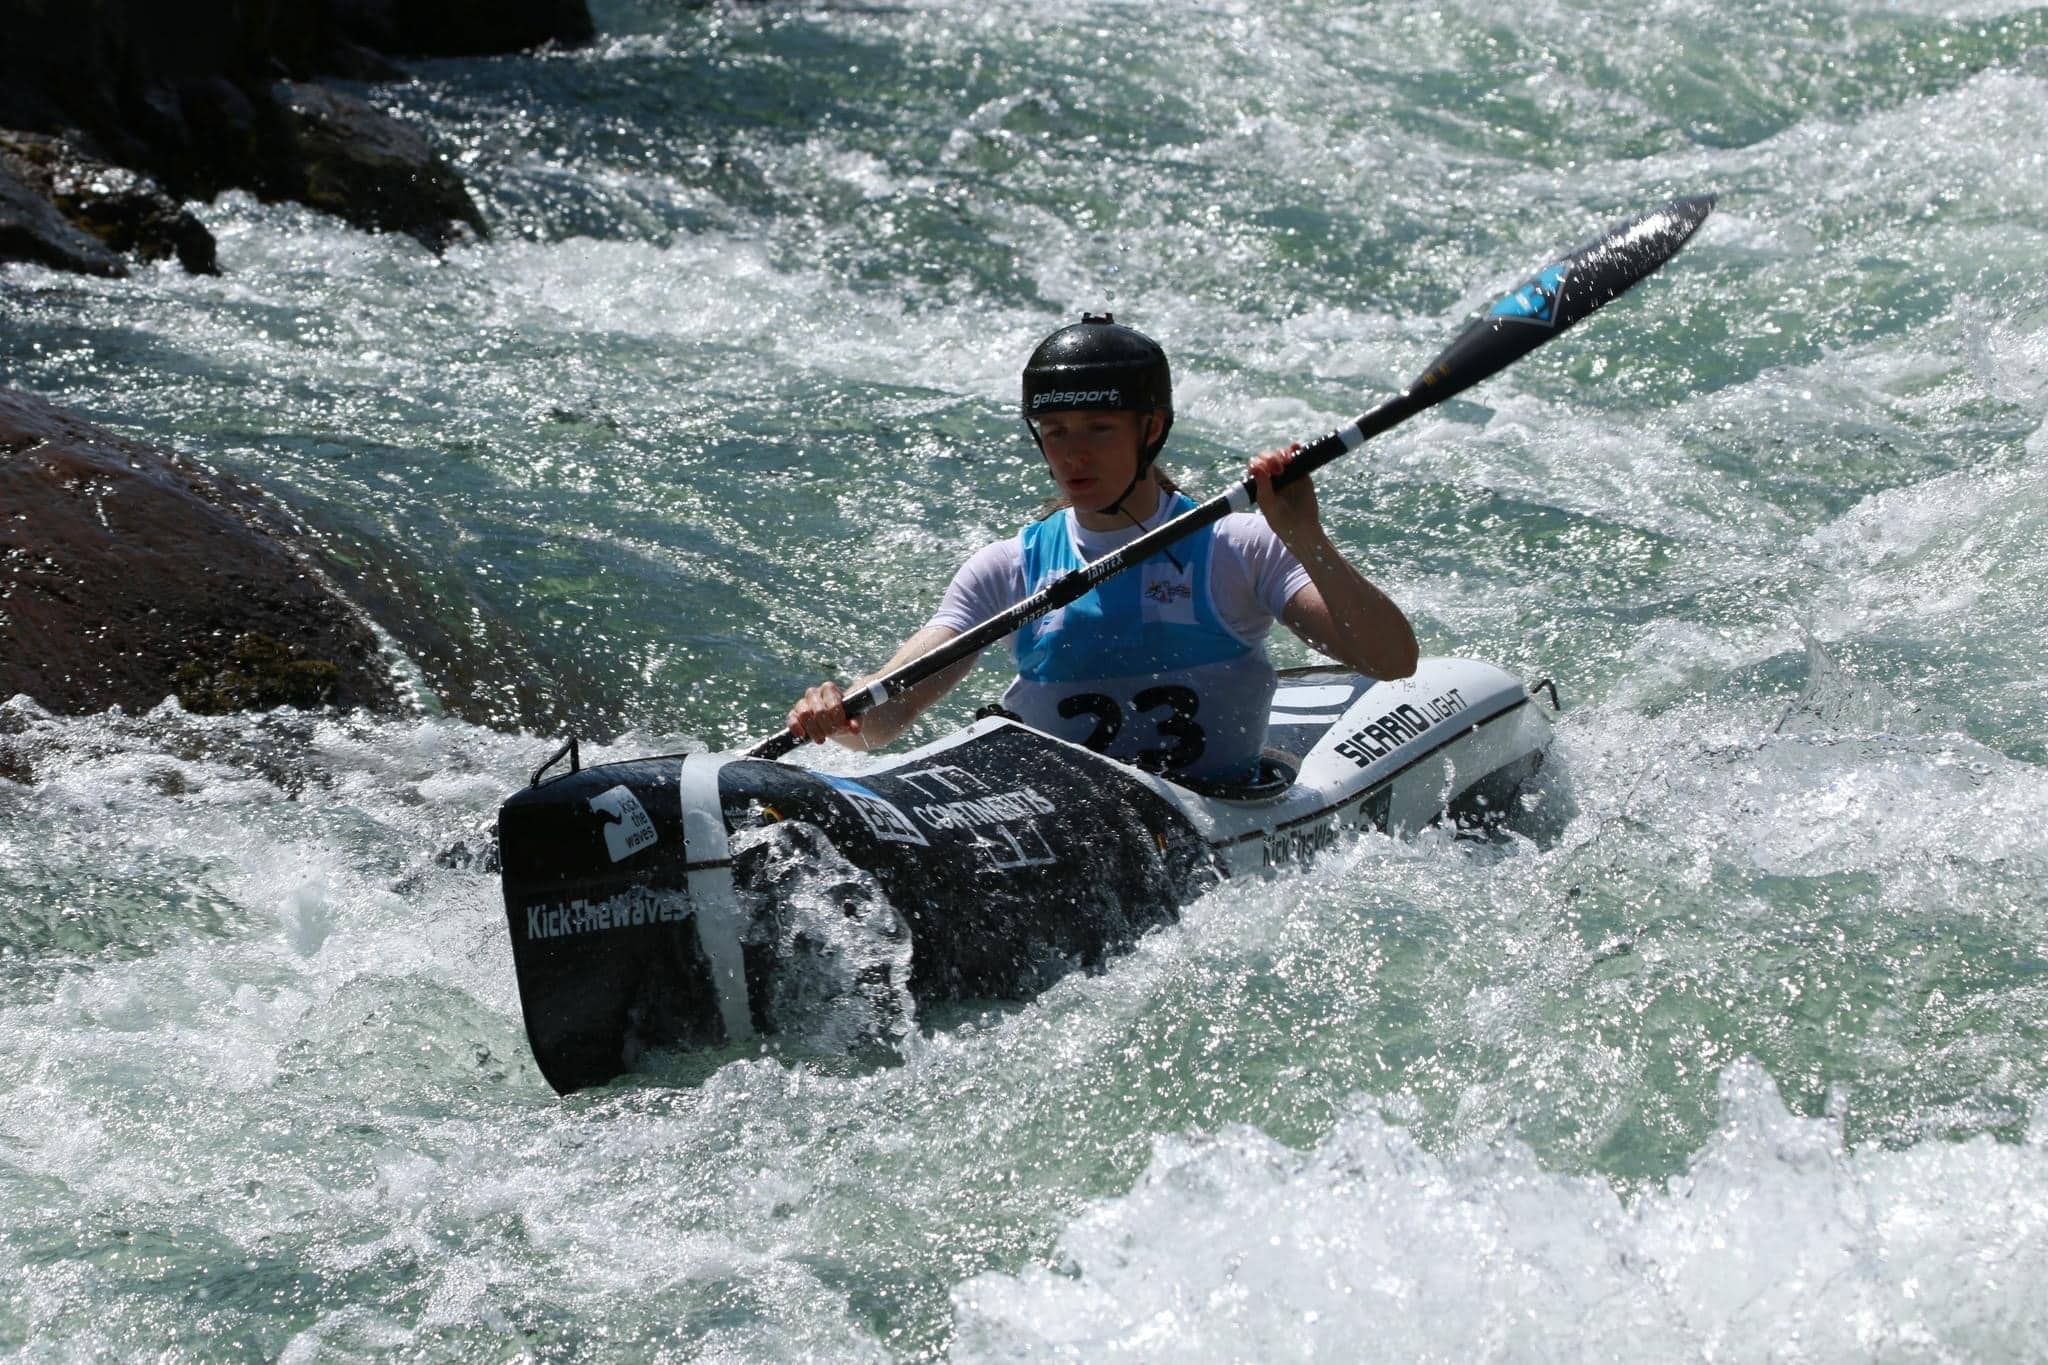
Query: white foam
pixel 1778 1242
pixel 1924 554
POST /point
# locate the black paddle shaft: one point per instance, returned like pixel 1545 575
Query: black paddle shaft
pixel 1560 294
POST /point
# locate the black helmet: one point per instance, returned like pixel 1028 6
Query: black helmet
pixel 1095 363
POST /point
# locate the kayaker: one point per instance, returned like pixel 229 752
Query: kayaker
pixel 1163 666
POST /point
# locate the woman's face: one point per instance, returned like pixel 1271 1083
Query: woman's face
pixel 1093 454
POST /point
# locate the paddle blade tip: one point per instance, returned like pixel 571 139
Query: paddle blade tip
pixel 1688 211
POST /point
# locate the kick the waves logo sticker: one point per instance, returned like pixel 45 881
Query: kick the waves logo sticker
pixel 627 828
pixel 633 908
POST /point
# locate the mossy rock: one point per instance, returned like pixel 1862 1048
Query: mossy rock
pixel 259 673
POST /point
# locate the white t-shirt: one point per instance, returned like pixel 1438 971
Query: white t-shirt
pixel 1252 575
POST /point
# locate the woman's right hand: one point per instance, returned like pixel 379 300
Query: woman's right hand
pixel 821 714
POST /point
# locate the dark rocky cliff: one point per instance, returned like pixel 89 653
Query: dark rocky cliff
pixel 204 97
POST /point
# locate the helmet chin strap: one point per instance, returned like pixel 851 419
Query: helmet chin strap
pixel 1145 459
pixel 1132 517
pixel 1117 505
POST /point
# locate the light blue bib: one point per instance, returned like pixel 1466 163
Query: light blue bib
pixel 1142 667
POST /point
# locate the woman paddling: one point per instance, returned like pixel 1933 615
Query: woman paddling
pixel 1165 666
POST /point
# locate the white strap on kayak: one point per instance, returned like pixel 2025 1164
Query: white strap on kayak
pixel 712 898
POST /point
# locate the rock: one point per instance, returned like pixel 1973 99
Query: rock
pixel 31 229
pixel 255 673
pixel 205 98
pixel 121 211
pixel 368 168
pixel 461 28
pixel 128 575
pixel 151 86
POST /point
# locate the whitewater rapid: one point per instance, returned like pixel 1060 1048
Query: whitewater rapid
pixel 1732 1049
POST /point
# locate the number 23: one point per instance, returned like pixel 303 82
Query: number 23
pixel 1178 725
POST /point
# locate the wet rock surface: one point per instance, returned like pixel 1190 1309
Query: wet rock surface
pixel 362 165
pixel 203 98
pixel 101 213
pixel 32 229
pixel 461 28
pixel 128 575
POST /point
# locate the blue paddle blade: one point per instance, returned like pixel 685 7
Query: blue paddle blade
pixel 1561 293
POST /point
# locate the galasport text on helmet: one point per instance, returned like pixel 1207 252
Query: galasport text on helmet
pixel 1098 363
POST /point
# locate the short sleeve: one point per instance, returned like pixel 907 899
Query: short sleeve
pixel 991 581
pixel 1272 575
